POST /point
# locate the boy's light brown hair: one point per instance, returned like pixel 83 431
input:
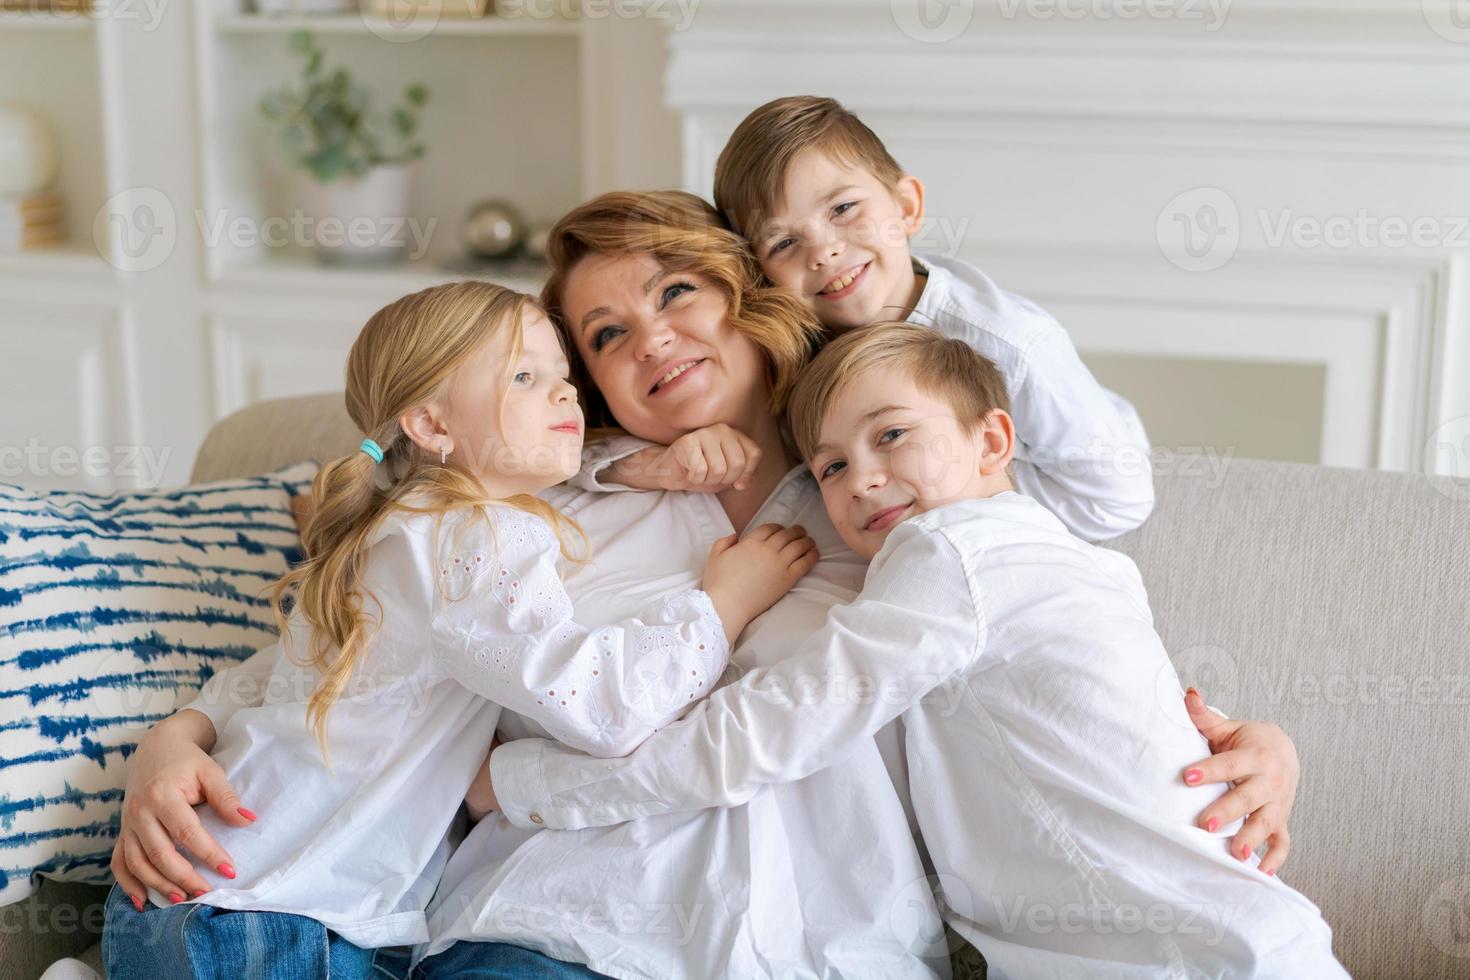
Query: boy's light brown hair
pixel 940 366
pixel 750 176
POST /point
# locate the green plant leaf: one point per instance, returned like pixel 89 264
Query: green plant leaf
pixel 417 94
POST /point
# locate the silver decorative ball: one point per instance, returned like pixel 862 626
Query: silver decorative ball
pixel 493 230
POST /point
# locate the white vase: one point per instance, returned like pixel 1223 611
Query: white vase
pixel 357 220
pixel 28 152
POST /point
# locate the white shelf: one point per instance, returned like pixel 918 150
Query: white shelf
pixel 363 24
pixel 296 273
pixel 72 258
pixel 61 20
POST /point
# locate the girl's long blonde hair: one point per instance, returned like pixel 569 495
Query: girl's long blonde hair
pixel 402 359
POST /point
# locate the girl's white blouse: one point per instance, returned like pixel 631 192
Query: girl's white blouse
pixel 473 619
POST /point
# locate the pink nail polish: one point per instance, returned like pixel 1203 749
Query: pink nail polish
pixel 1212 824
pixel 175 897
pixel 1245 852
pixel 137 902
pixel 1193 776
pixel 1271 872
pixel 227 870
pixel 247 814
pixel 198 892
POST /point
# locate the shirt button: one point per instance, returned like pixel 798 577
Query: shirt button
pixel 536 818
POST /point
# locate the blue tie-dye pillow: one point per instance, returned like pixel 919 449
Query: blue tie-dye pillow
pixel 113 610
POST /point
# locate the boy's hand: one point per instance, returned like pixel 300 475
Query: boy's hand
pixel 745 577
pixel 706 460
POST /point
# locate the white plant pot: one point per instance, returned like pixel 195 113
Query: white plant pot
pixel 357 221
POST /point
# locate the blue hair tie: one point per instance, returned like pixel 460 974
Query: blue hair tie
pixel 372 449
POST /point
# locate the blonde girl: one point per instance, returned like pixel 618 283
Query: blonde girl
pixel 431 601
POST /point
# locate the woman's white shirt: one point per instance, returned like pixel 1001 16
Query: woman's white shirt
pixel 473 618
pixel 814 878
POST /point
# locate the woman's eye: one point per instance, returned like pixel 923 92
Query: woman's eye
pixel 895 433
pixel 843 208
pixel 603 337
pixel 831 468
pixel 674 291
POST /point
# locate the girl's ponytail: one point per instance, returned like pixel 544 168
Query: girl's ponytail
pixel 403 358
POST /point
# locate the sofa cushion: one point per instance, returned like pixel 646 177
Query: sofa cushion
pixel 113 610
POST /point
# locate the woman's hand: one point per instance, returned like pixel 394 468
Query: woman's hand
pixel 168 773
pixel 706 460
pixel 1261 761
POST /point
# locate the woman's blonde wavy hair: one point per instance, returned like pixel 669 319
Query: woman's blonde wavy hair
pixel 685 234
pixel 403 358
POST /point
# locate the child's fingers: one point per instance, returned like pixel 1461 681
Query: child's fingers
pixel 795 548
pixel 752 460
pixel 1279 846
pixel 785 535
pixel 224 800
pixel 694 464
pixel 1244 799
pixel 724 544
pixel 1257 828
pixel 180 822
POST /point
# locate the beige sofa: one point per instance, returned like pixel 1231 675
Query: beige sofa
pixel 1334 602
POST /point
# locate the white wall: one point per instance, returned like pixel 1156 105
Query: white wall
pixel 1067 156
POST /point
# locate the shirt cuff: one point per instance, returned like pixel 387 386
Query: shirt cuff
pixel 519 781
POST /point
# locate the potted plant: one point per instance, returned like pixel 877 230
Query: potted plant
pixel 352 165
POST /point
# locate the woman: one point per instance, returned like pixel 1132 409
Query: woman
pixel 815 878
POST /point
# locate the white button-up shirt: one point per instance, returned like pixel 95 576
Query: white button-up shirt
pixel 819 877
pixel 1044 732
pixel 473 619
pixel 1082 450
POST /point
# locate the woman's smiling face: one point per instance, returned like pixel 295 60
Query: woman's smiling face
pixel 660 347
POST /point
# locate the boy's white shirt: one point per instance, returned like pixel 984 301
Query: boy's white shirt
pixel 474 619
pixel 1082 450
pixel 816 877
pixel 1044 732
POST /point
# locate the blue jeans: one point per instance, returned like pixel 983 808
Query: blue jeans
pixel 208 943
pixel 495 961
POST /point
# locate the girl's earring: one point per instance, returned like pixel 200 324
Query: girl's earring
pixel 443 455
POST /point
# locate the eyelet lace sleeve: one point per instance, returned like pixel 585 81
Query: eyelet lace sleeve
pixel 503 626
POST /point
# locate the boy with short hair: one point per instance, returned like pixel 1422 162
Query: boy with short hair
pixel 1044 727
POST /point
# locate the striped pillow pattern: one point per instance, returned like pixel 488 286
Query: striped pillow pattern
pixel 113 610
